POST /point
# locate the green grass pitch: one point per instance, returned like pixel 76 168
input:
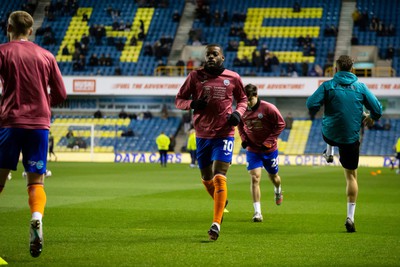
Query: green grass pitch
pixel 106 214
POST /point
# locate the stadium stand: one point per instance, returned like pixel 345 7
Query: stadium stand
pixel 121 21
pixel 384 33
pixel 256 25
pixel 108 133
pixel 275 27
pixel 374 142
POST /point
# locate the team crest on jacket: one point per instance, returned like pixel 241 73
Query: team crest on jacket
pixel 226 82
pixel 260 116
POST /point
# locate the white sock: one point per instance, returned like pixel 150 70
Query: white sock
pixel 217 224
pixel 330 150
pixel 257 207
pixel 351 208
pixel 277 190
pixel 37 216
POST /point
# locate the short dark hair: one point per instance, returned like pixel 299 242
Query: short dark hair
pixel 215 45
pixel 250 90
pixel 344 63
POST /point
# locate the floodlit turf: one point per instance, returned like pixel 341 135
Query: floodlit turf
pixel 106 214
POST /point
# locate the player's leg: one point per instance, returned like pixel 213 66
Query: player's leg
pixel 220 197
pixel 328 153
pixel 349 157
pixel 34 150
pixel 255 176
pixel 352 193
pixel 10 147
pixel 204 150
pixel 221 156
pixel 254 167
pixel 3 178
pixel 270 162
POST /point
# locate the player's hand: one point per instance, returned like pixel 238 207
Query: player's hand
pixel 234 118
pixel 266 147
pixel 244 144
pixel 367 120
pixel 199 104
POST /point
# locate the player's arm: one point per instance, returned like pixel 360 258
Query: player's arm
pixel 58 92
pixel 372 104
pixel 240 97
pixel 278 123
pixel 316 100
pixel 183 98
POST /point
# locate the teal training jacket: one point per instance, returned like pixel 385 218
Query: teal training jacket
pixel 344 98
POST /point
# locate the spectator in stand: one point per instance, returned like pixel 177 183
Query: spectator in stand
pixel 102 60
pixel 176 17
pixel 296 7
pixel 148 50
pixel 122 114
pixel 244 62
pixel 275 64
pixel 304 69
pixel 289 121
pixel 133 41
pixel 93 60
pixel 85 17
pixel 161 68
pixel 128 133
pixel 300 40
pixel 354 40
pixel 196 42
pixel 364 21
pixel 232 46
pixel 190 64
pixel 373 26
pixel 391 30
pixel 65 51
pixel 119 45
pixel 164 112
pixel 98 114
pixel 256 59
pixel 389 52
pixel 306 50
pixel 180 64
pixel 109 60
pixel 356 16
pixel 118 71
pixel 308 40
pixel 313 72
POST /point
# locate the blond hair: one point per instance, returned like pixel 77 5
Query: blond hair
pixel 21 22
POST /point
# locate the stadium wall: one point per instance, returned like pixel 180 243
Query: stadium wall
pixel 386 89
pixel 184 158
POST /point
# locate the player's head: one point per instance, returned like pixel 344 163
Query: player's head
pixel 344 63
pixel 214 56
pixel 250 90
pixel 251 93
pixel 19 24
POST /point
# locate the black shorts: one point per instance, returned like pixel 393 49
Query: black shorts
pixel 349 154
pixel 398 155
